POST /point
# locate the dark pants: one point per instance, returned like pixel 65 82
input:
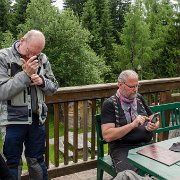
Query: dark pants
pixel 119 158
pixel 33 137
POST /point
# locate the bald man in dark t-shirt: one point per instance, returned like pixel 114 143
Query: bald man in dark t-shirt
pixel 132 126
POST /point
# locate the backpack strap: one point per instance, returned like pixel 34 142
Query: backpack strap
pixel 142 101
pixel 117 108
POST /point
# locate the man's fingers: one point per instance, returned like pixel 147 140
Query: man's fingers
pixel 23 61
pixel 32 59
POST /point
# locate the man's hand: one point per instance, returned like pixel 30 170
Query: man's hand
pixel 36 80
pixel 30 67
pixel 139 120
pixel 152 126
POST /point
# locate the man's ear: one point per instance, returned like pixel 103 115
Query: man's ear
pixel 119 84
pixel 22 39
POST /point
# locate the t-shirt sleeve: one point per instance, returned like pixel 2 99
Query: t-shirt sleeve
pixel 107 113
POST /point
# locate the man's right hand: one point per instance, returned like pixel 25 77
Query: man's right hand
pixel 139 120
pixel 30 67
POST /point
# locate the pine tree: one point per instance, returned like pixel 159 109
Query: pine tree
pixel 135 50
pixel 106 32
pixel 118 9
pixel 75 5
pixel 89 21
pixel 18 15
pixel 4 14
pixel 160 15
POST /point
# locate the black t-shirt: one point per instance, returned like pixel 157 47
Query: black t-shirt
pixel 139 135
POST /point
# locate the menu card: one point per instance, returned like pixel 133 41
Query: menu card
pixel 160 154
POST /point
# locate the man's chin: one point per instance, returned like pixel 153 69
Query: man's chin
pixel 133 96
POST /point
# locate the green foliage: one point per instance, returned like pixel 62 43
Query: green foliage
pixel 7 39
pixel 74 55
pixel 75 5
pixel 4 14
pixel 136 44
pixel 104 18
pixel 73 61
pixel 103 38
pixel 160 18
pixel 89 21
pixel 107 32
pixel 99 4
pixel 118 9
pixel 18 14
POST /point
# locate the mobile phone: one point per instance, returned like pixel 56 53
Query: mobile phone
pixel 38 56
pixel 155 116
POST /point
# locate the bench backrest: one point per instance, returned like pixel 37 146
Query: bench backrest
pixel 100 140
pixel 170 116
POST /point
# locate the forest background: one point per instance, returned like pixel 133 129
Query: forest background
pixel 92 41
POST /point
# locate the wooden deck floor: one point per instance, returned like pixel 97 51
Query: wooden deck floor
pixel 85 175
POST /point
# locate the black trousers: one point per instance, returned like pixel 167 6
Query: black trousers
pixel 120 161
pixel 4 171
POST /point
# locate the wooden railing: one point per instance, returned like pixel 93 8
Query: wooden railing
pixel 79 105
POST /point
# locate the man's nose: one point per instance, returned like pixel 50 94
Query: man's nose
pixel 135 89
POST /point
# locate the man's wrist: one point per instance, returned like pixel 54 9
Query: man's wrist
pixel 27 74
pixel 132 125
pixel 43 81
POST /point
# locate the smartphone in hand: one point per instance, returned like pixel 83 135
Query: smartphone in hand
pixel 155 116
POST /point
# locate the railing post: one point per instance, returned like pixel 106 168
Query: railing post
pixel 85 126
pixel 93 130
pixel 56 134
pixel 75 133
pixel 66 136
pixel 165 97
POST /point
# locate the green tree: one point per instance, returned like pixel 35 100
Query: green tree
pixel 135 50
pixel 73 61
pixel 7 39
pixel 18 14
pixel 160 15
pixel 106 32
pixel 118 9
pixel 5 17
pixel 4 14
pixel 75 5
pixel 89 21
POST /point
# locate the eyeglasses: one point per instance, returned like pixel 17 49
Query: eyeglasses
pixel 29 52
pixel 132 87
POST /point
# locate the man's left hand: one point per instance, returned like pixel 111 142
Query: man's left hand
pixel 36 80
pixel 152 126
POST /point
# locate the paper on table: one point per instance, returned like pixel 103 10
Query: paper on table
pixel 160 154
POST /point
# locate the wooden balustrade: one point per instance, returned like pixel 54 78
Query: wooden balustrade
pixel 91 98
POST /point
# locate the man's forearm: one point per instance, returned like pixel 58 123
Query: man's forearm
pixel 10 87
pixel 115 133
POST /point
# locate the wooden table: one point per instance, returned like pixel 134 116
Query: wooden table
pixel 155 168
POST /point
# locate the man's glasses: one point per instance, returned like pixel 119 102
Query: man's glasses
pixel 132 87
pixel 29 52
